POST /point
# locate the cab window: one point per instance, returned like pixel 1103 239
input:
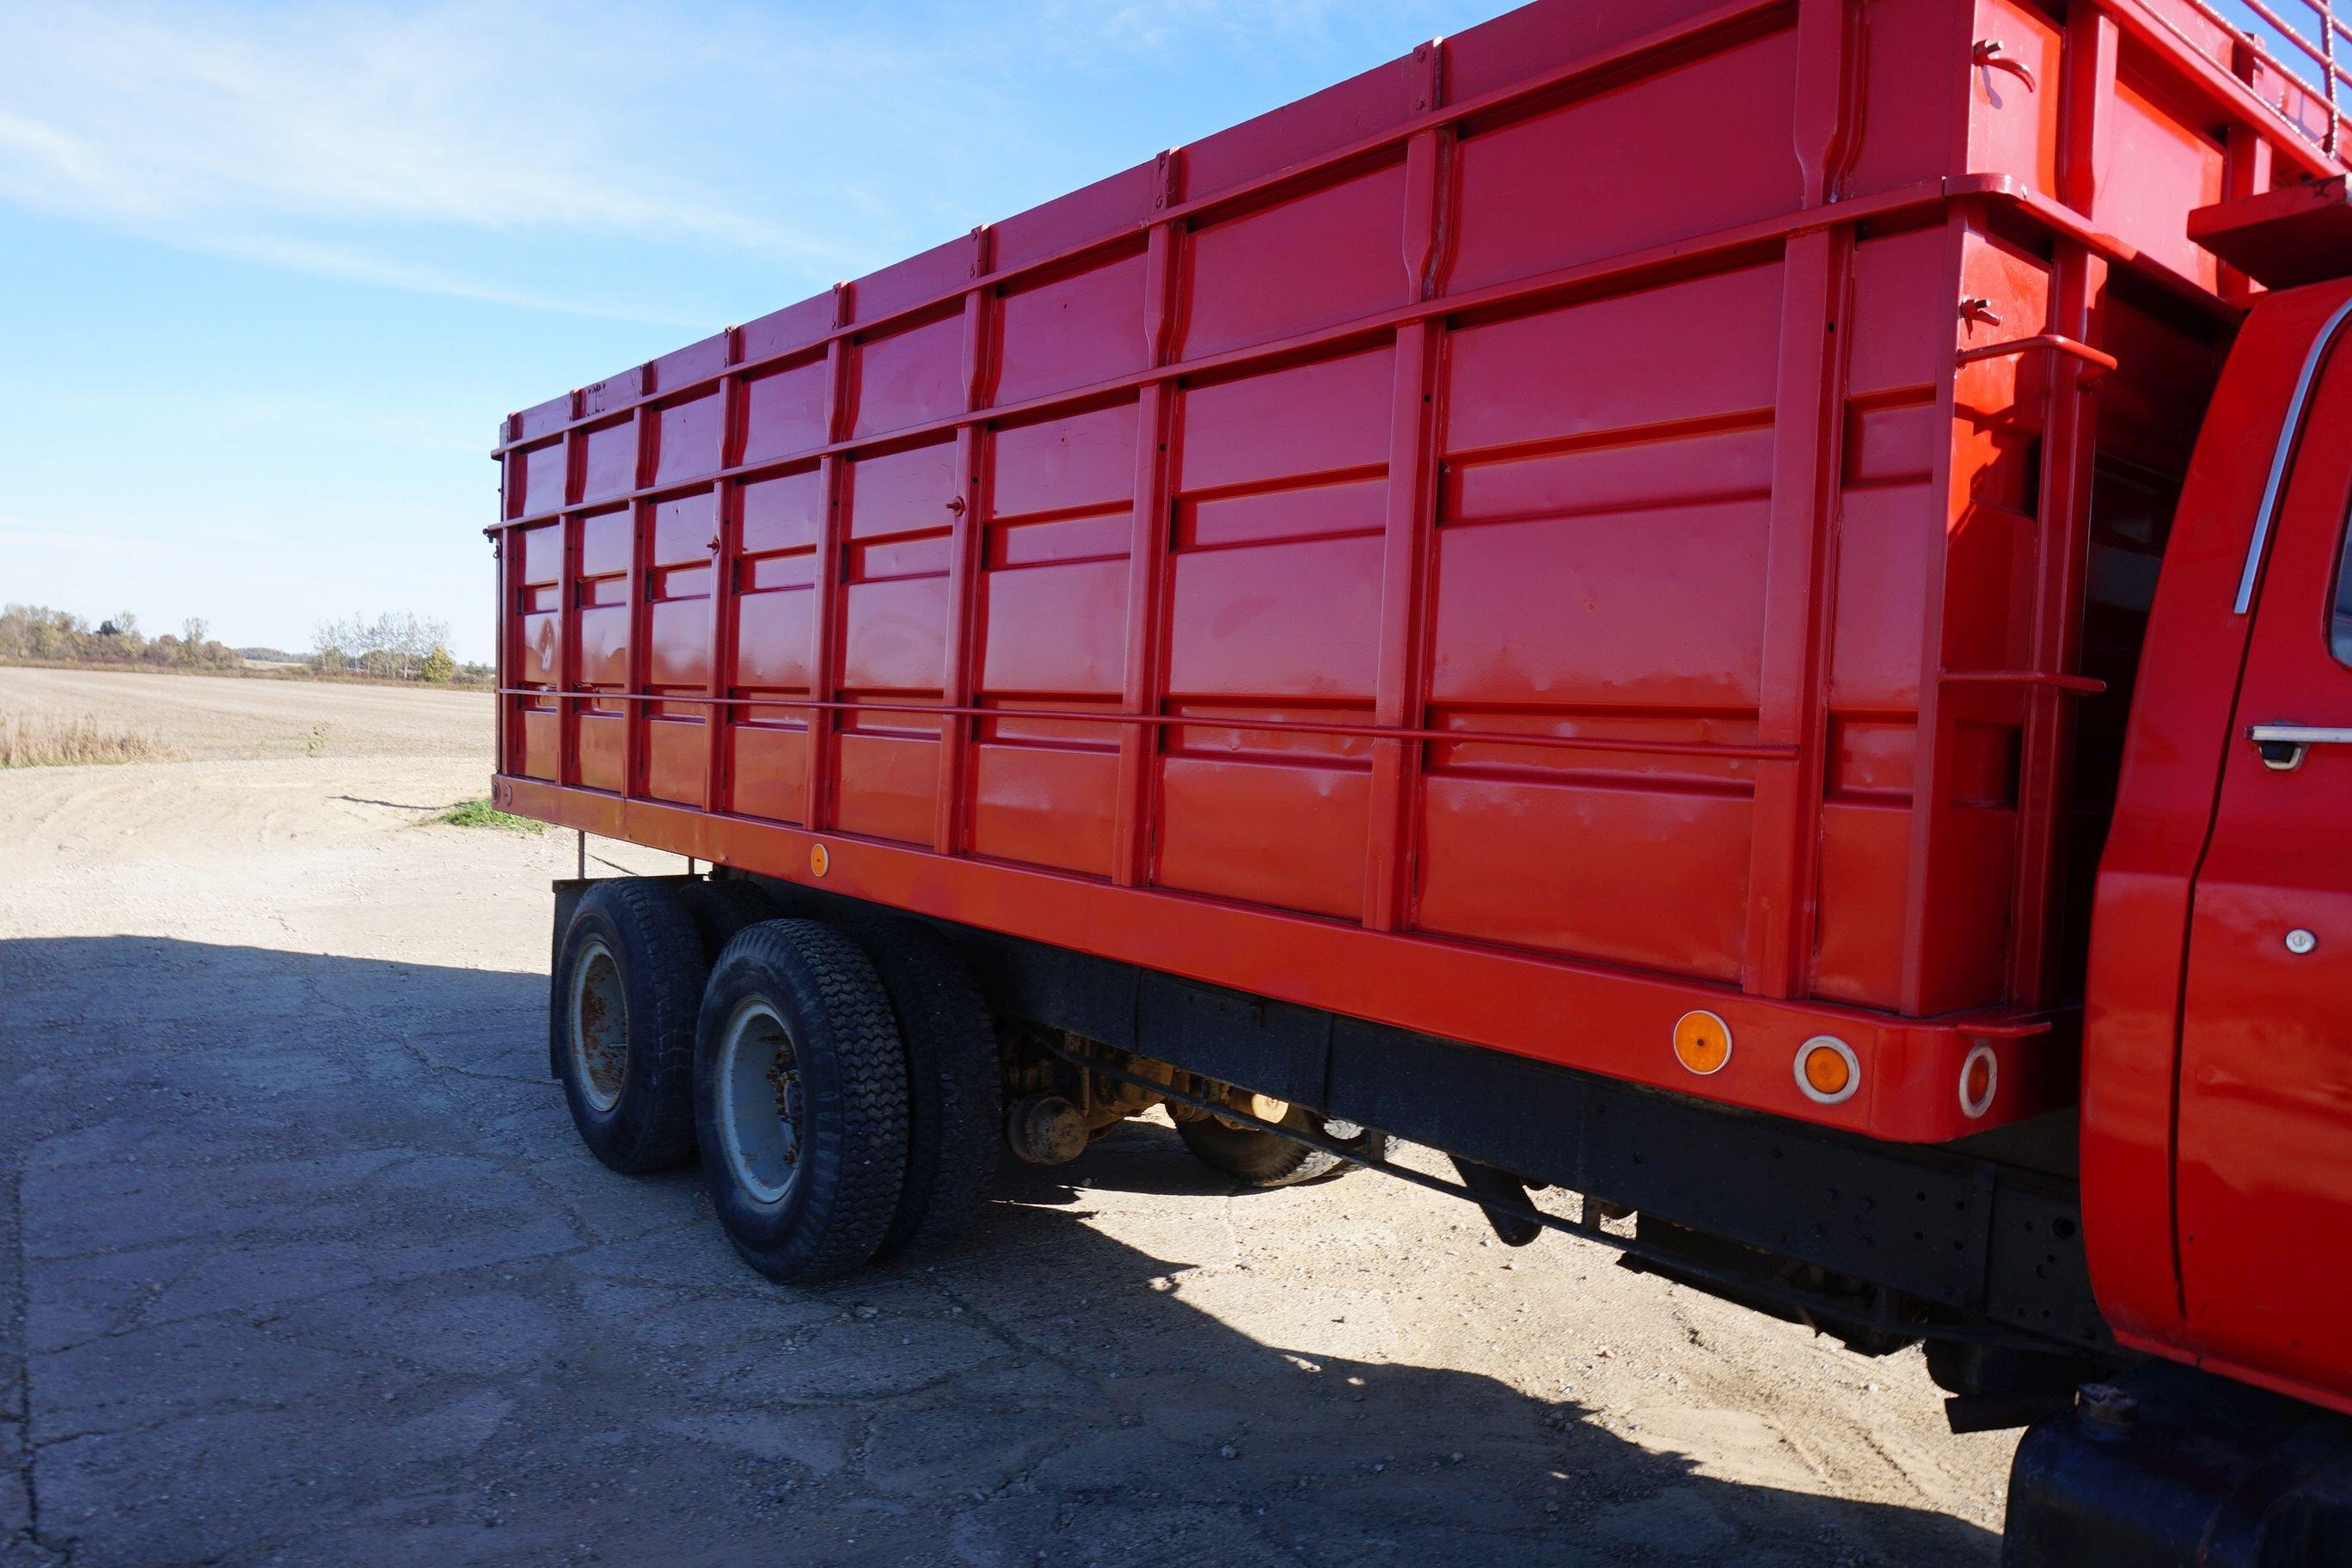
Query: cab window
pixel 2340 627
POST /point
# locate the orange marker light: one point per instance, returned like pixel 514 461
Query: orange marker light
pixel 1702 1042
pixel 819 860
pixel 1827 1069
pixel 1980 1075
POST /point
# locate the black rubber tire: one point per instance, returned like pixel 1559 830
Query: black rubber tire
pixel 1260 1159
pixel 954 1083
pixel 640 924
pixel 844 1195
pixel 722 907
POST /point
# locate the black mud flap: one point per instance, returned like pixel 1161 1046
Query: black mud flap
pixel 2165 1466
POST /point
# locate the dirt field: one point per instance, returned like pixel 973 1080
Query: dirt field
pixel 214 718
pixel 301 1264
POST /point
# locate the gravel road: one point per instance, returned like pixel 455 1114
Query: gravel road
pixel 300 1263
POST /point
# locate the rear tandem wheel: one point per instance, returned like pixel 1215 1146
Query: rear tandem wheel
pixel 627 985
pixel 955 1081
pixel 799 1101
pixel 1262 1159
pixel 721 905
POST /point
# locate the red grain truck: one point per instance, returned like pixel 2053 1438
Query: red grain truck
pixel 1743 610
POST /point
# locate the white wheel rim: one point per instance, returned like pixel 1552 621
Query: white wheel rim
pixel 762 1106
pixel 600 1025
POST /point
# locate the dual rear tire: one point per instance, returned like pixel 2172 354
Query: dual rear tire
pixel 841 1081
pixel 841 1087
pixel 800 1103
pixel 1256 1158
pixel 629 989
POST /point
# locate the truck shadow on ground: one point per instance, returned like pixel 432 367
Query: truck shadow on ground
pixel 312 1269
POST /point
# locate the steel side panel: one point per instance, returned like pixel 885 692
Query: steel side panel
pixel 1598 1019
pixel 1110 576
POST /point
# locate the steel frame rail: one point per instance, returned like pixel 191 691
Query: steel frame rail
pixel 1814 1310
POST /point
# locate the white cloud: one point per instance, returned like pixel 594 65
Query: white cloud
pixel 357 265
pixel 1154 24
pixel 304 137
pixel 451 147
pixel 436 116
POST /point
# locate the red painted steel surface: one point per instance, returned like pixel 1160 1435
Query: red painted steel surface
pixel 2281 238
pixel 2214 1148
pixel 1507 545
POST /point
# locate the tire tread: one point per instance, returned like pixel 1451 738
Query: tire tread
pixel 1262 1159
pixel 954 1083
pixel 854 1193
pixel 663 969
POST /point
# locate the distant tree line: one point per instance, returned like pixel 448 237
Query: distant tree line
pixel 391 647
pixel 37 631
pixel 394 646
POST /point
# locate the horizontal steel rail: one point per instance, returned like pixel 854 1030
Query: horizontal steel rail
pixel 1881 1315
pixel 2322 54
pixel 1591 274
pixel 1594 275
pixel 2098 361
pixel 1732 749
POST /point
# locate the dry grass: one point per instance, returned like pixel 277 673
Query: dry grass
pixel 39 740
pixel 250 669
pixel 482 814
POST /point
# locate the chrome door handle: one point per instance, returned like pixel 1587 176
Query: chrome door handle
pixel 2283 746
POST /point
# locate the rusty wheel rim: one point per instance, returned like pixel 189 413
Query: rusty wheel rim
pixel 761 1103
pixel 600 1027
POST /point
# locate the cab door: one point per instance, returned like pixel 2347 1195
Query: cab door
pixel 2264 1145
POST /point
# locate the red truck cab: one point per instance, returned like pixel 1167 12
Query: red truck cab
pixel 2217 1081
pixel 2216 1170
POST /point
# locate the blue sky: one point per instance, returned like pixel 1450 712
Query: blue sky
pixel 270 275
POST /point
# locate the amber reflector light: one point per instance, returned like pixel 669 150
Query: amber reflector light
pixel 1826 1069
pixel 1702 1042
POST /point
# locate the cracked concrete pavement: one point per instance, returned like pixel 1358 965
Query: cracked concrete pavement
pixel 301 1263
